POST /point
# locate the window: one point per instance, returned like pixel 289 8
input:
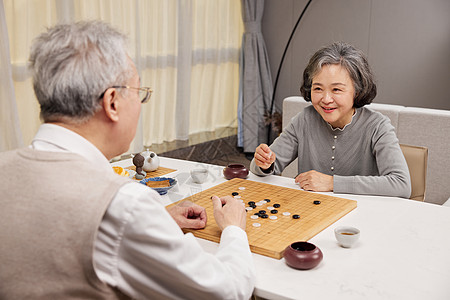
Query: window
pixel 187 51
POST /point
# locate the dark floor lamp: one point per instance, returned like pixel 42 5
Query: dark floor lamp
pixel 274 120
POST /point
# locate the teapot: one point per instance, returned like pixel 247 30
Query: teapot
pixel 151 161
pixel 138 161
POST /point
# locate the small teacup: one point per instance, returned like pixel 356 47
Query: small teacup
pixel 347 236
pixel 199 175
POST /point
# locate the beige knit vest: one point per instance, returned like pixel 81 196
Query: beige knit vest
pixel 51 205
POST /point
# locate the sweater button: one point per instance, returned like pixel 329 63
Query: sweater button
pixel 332 168
pixel 333 147
pixel 332 157
pixel 335 137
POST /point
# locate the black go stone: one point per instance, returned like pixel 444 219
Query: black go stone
pixel 262 211
pixel 276 205
pixel 316 202
pixel 251 203
pixel 274 211
pixel 234 193
pixel 267 200
pixel 264 216
pixel 296 217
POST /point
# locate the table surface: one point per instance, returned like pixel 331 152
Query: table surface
pixel 403 251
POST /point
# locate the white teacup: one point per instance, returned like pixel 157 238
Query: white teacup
pixel 199 175
pixel 347 236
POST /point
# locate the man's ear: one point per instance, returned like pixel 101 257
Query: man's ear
pixel 110 104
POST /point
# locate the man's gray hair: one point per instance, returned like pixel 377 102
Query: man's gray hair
pixel 350 58
pixel 73 64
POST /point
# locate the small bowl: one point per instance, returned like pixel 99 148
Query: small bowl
pixel 199 175
pixel 160 190
pixel 302 255
pixel 347 236
pixel 131 172
pixel 235 171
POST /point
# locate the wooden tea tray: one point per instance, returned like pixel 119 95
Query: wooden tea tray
pixel 273 236
pixel 157 173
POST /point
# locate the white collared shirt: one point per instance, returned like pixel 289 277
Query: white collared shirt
pixel 143 252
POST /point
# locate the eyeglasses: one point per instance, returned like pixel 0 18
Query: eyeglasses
pixel 144 92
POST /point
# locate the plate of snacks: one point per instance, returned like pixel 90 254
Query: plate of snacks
pixel 160 184
pixel 124 172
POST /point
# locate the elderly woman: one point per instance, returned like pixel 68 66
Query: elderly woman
pixel 341 145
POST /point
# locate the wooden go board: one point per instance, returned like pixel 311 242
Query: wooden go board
pixel 274 235
pixel 157 173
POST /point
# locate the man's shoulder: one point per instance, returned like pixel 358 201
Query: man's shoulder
pixel 10 153
pixel 55 165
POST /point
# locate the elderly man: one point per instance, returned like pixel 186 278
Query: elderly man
pixel 70 228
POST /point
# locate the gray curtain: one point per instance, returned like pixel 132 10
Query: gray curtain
pixel 255 80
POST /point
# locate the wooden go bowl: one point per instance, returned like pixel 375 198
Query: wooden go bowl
pixel 235 171
pixel 302 255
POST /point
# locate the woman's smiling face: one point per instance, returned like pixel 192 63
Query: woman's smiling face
pixel 332 95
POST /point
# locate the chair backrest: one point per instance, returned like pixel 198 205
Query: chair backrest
pixel 417 159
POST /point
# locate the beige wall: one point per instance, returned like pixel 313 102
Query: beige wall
pixel 407 42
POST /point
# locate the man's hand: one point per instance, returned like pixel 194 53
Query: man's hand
pixel 188 215
pixel 315 181
pixel 264 157
pixel 229 211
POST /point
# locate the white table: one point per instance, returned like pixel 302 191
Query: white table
pixel 403 251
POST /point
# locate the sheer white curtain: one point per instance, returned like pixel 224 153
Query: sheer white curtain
pixel 185 50
pixel 10 134
pixel 217 32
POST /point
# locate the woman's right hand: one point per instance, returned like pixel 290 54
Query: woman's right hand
pixel 264 157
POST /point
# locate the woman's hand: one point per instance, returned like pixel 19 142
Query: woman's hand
pixel 315 181
pixel 264 157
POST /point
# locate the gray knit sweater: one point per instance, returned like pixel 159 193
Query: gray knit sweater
pixel 364 157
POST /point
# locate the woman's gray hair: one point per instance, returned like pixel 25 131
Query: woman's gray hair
pixel 73 64
pixel 350 58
